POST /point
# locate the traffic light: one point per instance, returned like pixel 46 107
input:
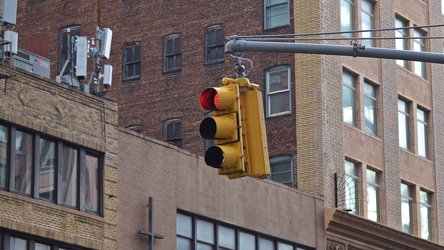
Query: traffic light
pixel 257 162
pixel 238 128
pixel 224 127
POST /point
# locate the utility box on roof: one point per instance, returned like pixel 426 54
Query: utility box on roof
pixel 32 63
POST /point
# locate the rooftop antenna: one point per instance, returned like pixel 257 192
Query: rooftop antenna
pixel 9 38
pixel 80 48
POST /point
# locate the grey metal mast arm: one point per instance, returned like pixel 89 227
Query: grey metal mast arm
pixel 239 45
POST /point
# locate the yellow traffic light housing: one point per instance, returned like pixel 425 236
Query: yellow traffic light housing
pixel 224 127
pixel 238 128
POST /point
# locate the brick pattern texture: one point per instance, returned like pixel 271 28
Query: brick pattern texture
pixel 57 110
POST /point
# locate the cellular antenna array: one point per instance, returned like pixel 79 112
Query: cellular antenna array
pixel 79 50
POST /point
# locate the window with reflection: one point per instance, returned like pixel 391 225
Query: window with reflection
pixel 347 17
pixel 351 187
pixel 91 183
pixel 196 232
pixel 367 22
pixel 23 162
pixel 69 176
pixel 281 168
pixel 358 15
pixel 401 43
pixel 47 170
pixel 278 100
pixel 419 68
pixel 277 13
pixel 422 132
pixel 373 195
pixel 349 98
pixel 3 156
pixel 404 124
pixel 9 240
pixel 406 208
pixel 370 113
pixel 425 215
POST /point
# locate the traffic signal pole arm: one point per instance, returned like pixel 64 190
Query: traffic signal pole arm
pixel 240 45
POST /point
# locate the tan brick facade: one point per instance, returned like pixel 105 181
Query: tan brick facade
pixel 324 140
pixel 58 111
pixel 178 180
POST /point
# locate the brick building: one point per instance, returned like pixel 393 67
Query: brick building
pixel 374 124
pixel 57 188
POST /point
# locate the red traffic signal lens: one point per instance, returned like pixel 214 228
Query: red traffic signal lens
pixel 209 99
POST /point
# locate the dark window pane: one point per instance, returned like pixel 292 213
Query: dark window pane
pixel 170 46
pixel 137 53
pixel 129 54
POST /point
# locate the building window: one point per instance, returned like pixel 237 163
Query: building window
pixel 422 127
pixel 23 162
pixel 69 172
pixel 404 124
pixel 406 208
pixel 368 22
pixel 195 232
pixel 51 170
pixel 214 44
pixel 365 21
pixel 373 195
pixel 91 180
pixel 419 68
pixel 349 98
pixel 64 48
pixel 347 19
pixel 426 215
pixel 401 43
pixel 131 61
pixel 8 240
pixel 278 91
pixel 276 13
pixel 172 131
pixel 422 132
pixel 281 168
pixel 172 53
pixel 3 156
pixel 416 44
pixel 370 113
pixel 351 187
pixel 442 6
pixel 47 170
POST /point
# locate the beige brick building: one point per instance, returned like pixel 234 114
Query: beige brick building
pixel 58 168
pixel 374 124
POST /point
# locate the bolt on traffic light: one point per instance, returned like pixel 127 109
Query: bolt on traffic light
pixel 238 128
pixel 224 127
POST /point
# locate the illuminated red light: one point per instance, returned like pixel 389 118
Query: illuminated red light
pixel 209 99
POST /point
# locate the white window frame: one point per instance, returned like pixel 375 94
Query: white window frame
pixel 269 94
pixel 280 159
pixel 268 7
